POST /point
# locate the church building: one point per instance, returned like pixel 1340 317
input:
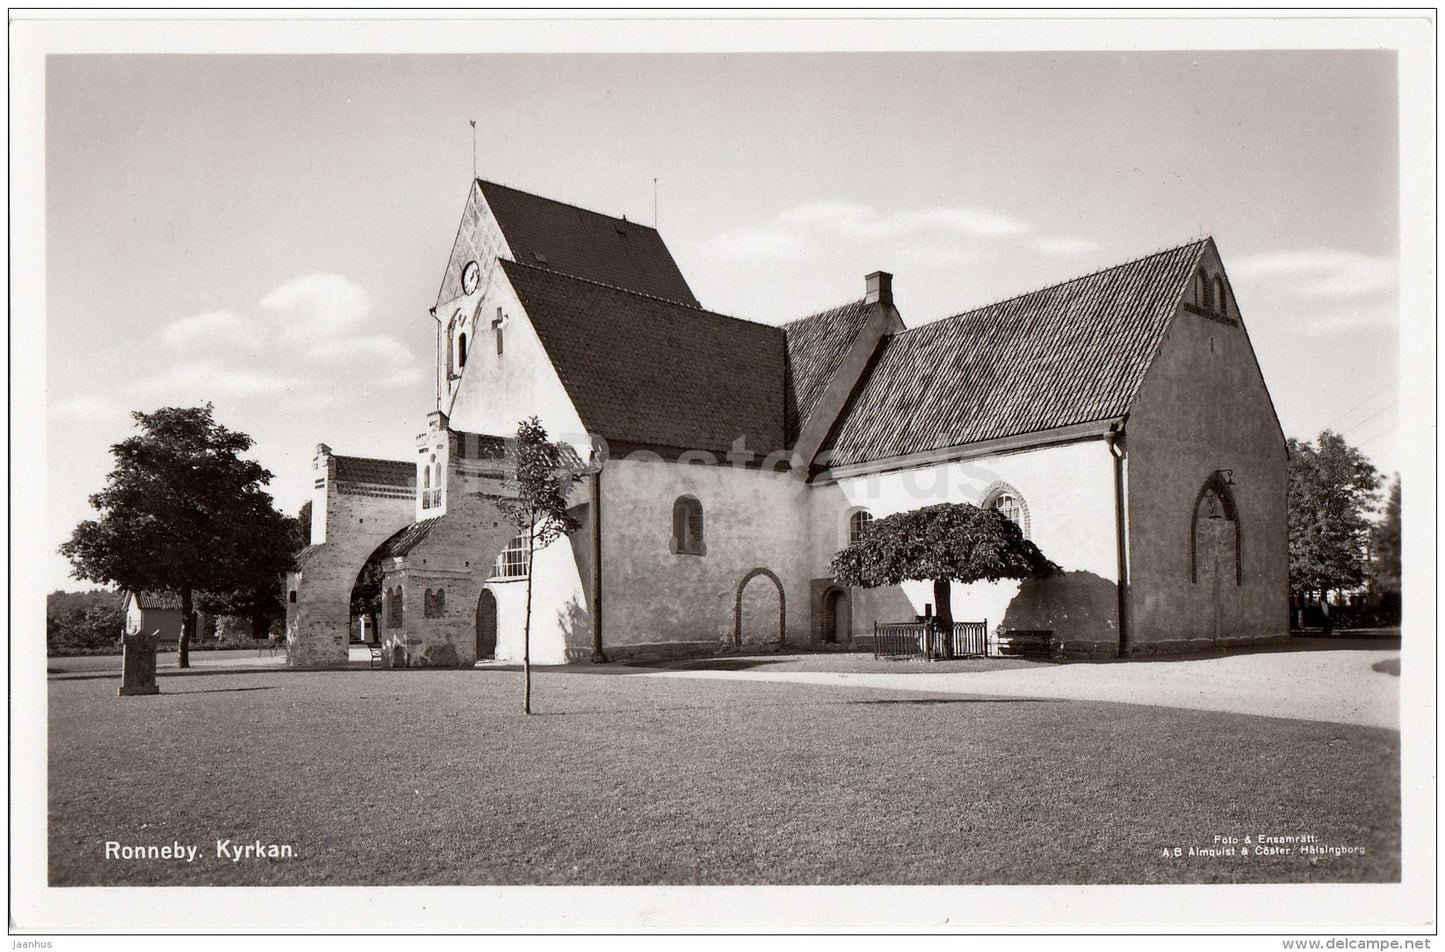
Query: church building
pixel 1120 418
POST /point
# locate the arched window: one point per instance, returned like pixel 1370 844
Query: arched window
pixel 1206 290
pixel 512 563
pixel 858 524
pixel 462 350
pixel 1214 531
pixel 687 527
pixel 1219 299
pixel 1010 502
pixel 393 607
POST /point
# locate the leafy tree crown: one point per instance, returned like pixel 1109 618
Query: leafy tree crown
pixel 948 542
pixel 542 478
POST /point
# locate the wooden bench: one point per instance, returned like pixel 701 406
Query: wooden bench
pixel 1026 643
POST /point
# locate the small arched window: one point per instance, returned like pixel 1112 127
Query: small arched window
pixel 858 524
pixel 512 562
pixel 462 350
pixel 687 527
pixel 1005 499
pixel 1219 297
pixel 1206 291
pixel 393 607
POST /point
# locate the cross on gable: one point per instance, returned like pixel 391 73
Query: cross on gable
pixel 497 324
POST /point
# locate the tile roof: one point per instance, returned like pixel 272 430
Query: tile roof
pixel 648 371
pixel 152 600
pixel 816 345
pixel 305 555
pixel 385 472
pixel 405 539
pixel 585 244
pixel 1072 353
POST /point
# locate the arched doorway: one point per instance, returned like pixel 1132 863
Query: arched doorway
pixel 486 625
pixel 738 605
pixel 1214 548
pixel 837 617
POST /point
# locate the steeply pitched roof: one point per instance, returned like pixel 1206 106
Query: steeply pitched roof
pixel 572 240
pixel 384 472
pixel 816 345
pixel 648 371
pixel 1072 353
pixel 406 539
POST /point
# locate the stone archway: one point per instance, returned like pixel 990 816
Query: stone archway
pixel 486 622
pixel 738 606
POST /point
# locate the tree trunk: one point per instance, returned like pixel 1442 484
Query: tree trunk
pixel 188 629
pixel 1329 625
pixel 527 635
pixel 943 620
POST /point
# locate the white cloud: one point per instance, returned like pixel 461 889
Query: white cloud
pixel 389 362
pixel 1319 272
pixel 317 307
pixel 221 327
pixel 1063 245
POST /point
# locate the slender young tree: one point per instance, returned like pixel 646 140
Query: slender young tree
pixel 942 544
pixel 543 477
pixel 184 513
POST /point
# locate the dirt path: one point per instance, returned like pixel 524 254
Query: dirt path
pixel 1346 687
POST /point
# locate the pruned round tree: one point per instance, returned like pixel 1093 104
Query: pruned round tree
pixel 183 512
pixel 942 544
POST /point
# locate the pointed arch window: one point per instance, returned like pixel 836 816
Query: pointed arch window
pixel 687 527
pixel 1214 529
pixel 1219 298
pixel 1206 291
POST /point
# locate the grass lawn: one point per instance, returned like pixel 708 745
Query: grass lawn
pixel 435 777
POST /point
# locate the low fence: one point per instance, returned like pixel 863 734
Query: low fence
pixel 968 639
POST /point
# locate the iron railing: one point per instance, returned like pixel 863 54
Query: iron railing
pixel 917 639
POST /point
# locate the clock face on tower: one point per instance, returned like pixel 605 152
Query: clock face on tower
pixel 471 275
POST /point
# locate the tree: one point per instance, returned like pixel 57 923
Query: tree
pixel 1385 545
pixel 538 489
pixel 182 512
pixel 942 544
pixel 1331 488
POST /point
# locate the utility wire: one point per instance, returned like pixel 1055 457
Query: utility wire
pixel 1340 418
pixel 1368 419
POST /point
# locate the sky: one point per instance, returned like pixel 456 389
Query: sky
pixel 268 232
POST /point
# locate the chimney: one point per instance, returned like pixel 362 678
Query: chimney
pixel 880 288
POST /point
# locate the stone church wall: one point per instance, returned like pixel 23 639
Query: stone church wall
pixel 659 601
pixel 1204 408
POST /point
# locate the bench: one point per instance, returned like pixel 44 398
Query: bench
pixel 1026 643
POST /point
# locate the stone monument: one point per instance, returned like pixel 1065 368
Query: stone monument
pixel 138 664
